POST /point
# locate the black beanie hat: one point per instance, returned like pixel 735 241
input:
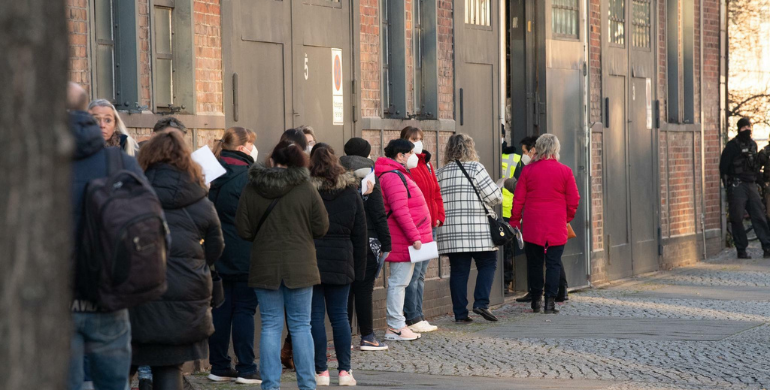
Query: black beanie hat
pixel 358 147
pixel 743 122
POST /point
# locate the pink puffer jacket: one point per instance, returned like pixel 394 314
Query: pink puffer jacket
pixel 410 220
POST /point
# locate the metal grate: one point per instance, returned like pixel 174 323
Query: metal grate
pixel 478 12
pixel 564 18
pixel 641 24
pixel 617 20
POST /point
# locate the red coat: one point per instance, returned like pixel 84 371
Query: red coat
pixel 548 194
pixel 425 177
pixel 410 220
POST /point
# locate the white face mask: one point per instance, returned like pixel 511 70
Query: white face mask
pixel 254 152
pixel 309 149
pixel 411 162
pixel 502 140
pixel 525 159
pixel 417 147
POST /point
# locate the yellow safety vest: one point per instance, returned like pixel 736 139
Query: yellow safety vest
pixel 510 162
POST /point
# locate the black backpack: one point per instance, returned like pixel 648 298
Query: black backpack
pixel 122 257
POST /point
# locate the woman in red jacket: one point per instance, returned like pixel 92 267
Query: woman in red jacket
pixel 549 203
pixel 424 174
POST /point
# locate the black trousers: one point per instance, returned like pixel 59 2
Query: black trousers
pixel 360 298
pixel 165 377
pixel 745 197
pixel 562 276
pixel 554 270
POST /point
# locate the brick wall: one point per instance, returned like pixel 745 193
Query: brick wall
pixel 445 60
pixel 370 59
pixel 595 60
pixel 145 73
pixel 711 122
pixel 77 26
pixel 208 57
pixel 597 193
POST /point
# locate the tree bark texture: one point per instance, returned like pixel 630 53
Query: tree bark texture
pixel 35 235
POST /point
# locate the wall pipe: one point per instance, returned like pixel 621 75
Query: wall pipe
pixel 702 141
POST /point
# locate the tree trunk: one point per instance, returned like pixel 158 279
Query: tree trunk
pixel 34 196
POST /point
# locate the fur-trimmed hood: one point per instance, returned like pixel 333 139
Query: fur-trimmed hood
pixel 331 191
pixel 272 183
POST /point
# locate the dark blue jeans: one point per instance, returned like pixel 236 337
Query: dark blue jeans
pixel 334 300
pixel 237 313
pixel 460 270
pixel 536 255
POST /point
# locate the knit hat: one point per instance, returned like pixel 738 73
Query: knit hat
pixel 358 147
pixel 743 122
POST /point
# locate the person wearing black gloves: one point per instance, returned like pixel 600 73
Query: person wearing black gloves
pixel 739 168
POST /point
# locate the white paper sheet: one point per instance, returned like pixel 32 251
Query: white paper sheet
pixel 212 169
pixel 427 251
pixel 365 182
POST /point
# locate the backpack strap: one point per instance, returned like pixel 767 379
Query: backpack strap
pixel 403 180
pixel 267 212
pixel 114 160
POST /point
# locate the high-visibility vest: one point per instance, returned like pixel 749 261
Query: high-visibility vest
pixel 510 162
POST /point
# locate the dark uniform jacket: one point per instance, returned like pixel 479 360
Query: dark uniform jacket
pixel 740 160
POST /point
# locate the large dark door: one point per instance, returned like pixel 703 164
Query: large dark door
pixel 477 83
pixel 629 144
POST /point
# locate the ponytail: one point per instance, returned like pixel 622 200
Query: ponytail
pixel 232 139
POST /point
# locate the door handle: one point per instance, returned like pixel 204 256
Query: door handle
pixel 606 113
pixel 235 97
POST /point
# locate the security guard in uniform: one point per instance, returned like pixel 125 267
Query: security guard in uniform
pixel 510 167
pixel 739 168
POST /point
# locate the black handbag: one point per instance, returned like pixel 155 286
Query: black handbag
pixel 502 233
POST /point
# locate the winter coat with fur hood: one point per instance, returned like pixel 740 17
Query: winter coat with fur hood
pixel 376 220
pixel 410 218
pixel 283 249
pixel 341 253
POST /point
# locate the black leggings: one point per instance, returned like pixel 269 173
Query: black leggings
pixel 165 377
pixel 360 297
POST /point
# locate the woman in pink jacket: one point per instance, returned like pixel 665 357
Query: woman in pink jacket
pixel 410 225
pixel 548 195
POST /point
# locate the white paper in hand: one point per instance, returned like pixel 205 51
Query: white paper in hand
pixel 212 169
pixel 426 252
pixel 365 182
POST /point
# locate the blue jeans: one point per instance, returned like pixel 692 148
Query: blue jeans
pixel 414 294
pixel 106 339
pixel 334 299
pixel 297 303
pixel 460 269
pixel 237 313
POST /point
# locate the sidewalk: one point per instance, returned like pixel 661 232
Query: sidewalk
pixel 700 327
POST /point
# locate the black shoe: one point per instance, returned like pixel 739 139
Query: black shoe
pixel 550 306
pixel 464 321
pixel 766 254
pixel 223 376
pixel 251 379
pixel 484 312
pixel 743 255
pixel 145 384
pixel 562 296
pixel 536 305
pixel 526 298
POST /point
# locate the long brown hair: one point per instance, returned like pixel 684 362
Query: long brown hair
pixel 233 138
pixel 409 132
pixel 169 147
pixel 325 164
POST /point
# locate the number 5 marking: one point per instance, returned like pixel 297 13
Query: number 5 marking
pixel 307 70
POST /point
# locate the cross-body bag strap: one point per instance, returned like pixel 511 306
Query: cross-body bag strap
pixel 472 185
pixel 267 212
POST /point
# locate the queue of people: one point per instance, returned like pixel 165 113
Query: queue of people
pixel 299 236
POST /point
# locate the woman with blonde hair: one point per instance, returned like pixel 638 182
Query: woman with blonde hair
pixel 547 196
pixel 469 195
pixel 113 129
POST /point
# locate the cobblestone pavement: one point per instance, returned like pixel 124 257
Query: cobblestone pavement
pixel 664 349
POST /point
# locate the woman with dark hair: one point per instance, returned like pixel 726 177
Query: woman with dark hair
pixel 341 256
pixel 236 152
pixel 469 194
pixel 409 224
pixel 280 212
pixel 424 174
pixel 174 329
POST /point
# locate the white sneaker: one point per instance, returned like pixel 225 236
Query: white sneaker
pixel 346 378
pixel 403 334
pixel 322 379
pixel 423 327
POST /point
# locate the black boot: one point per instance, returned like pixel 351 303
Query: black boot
pixel 562 295
pixel 743 255
pixel 526 298
pixel 550 306
pixel 766 254
pixel 536 305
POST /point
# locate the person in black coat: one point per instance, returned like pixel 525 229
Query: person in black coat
pixel 174 329
pixel 360 298
pixel 236 152
pixel 341 256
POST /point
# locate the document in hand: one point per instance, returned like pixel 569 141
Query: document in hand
pixel 426 252
pixel 212 169
pixel 519 238
pixel 365 182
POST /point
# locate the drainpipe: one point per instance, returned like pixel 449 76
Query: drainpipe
pixel 702 142
pixel 587 145
pixel 503 86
